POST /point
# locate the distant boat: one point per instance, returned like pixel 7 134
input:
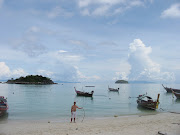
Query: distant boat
pixel 89 86
pixel 147 102
pixel 3 105
pixel 176 94
pixel 112 89
pixel 85 94
pixel 170 89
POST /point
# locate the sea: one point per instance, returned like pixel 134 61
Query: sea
pixel 53 102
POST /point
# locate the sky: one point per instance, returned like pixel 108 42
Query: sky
pixel 91 40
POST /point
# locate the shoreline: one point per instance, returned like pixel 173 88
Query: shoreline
pixel 126 125
pixel 78 117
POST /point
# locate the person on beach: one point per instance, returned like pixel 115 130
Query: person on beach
pixel 73 112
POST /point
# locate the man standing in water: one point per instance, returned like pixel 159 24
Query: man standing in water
pixel 73 112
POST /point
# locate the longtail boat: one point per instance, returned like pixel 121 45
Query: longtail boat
pixel 3 105
pixel 148 102
pixel 176 94
pixel 112 89
pixel 170 89
pixel 85 94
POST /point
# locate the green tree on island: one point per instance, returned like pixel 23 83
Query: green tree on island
pixel 31 79
pixel 121 81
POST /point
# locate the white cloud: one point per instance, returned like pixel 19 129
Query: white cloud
pixel 64 57
pixel 85 12
pixel 142 66
pixel 83 78
pixel 18 72
pixel 1 3
pixel 100 11
pixel 172 12
pixel 6 73
pixel 58 11
pixel 120 76
pixel 68 57
pixel 4 70
pixel 108 7
pixel 45 73
pixel 79 43
pixel 35 29
pixel 62 51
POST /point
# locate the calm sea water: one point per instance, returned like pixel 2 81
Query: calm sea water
pixel 55 101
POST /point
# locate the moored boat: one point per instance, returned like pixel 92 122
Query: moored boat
pixel 148 102
pixel 3 105
pixel 85 94
pixel 176 94
pixel 170 89
pixel 112 89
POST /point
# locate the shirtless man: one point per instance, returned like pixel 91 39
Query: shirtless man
pixel 73 111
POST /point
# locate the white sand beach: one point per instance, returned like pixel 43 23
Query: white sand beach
pixel 125 125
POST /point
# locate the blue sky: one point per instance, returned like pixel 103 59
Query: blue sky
pixel 90 40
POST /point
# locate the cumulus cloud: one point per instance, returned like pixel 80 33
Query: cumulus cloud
pixel 4 70
pixel 6 73
pixel 172 12
pixel 108 7
pixel 142 66
pixel 120 76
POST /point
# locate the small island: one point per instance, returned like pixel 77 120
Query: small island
pixel 31 79
pixel 121 81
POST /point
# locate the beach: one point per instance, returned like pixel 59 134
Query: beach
pixel 125 125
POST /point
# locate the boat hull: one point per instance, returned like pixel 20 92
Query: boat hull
pixel 3 109
pixel 177 94
pixel 3 105
pixel 146 104
pixel 112 89
pixel 85 95
pixel 2 113
pixel 169 90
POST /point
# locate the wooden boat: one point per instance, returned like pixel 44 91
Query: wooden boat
pixel 176 94
pixel 3 105
pixel 89 86
pixel 112 89
pixel 85 94
pixel 147 102
pixel 170 89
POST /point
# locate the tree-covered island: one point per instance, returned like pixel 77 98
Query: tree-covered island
pixel 31 79
pixel 121 81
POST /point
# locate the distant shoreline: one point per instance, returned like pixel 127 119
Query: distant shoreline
pixel 35 83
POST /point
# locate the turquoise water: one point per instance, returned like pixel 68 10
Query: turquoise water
pixel 55 101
